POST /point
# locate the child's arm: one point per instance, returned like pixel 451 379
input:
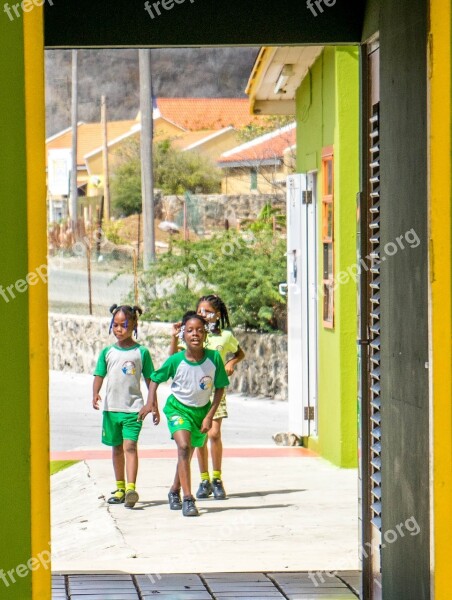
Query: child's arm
pixel 97 384
pixel 207 422
pixel 151 405
pixel 174 347
pixel 230 365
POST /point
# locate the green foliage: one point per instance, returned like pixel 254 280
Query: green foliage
pixel 269 218
pixel 175 172
pixel 271 123
pixel 126 181
pixel 244 268
pixel 111 230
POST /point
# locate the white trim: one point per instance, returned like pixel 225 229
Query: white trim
pixel 60 133
pixel 259 140
pixel 134 129
pixel 206 139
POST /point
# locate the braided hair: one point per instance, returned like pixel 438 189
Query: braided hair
pixel 219 306
pixel 130 312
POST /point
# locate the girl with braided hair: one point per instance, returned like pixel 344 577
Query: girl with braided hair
pixel 221 339
pixel 123 363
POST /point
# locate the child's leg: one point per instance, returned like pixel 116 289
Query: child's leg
pixel 184 454
pixel 216 444
pixel 131 454
pixel 118 462
pixel 203 458
pixel 118 467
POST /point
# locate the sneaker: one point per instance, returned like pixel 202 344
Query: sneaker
pixel 131 498
pixel 118 497
pixel 189 507
pixel 174 500
pixel 218 489
pixel 205 489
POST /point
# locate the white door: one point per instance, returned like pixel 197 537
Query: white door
pixel 302 304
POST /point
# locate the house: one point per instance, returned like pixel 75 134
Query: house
pixel 320 86
pixel 260 165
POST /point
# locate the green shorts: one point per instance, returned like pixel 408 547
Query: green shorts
pixel 189 418
pixel 120 426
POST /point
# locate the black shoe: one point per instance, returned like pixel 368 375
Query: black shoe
pixel 118 497
pixel 174 500
pixel 205 489
pixel 189 507
pixel 218 489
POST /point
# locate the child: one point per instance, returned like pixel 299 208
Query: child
pixel 123 362
pixel 188 409
pixel 213 309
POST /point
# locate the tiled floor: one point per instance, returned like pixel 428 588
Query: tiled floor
pixel 212 586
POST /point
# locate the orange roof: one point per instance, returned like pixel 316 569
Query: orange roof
pixel 266 147
pixel 207 113
pixel 89 137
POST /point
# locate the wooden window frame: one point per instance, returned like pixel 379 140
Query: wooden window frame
pixel 328 237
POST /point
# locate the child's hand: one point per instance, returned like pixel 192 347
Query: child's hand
pixel 155 416
pixel 96 401
pixel 176 329
pixel 206 424
pixel 144 412
pixel 229 368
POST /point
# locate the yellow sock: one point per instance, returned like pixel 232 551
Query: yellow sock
pixel 120 487
pixel 216 475
pixel 130 486
pixel 205 476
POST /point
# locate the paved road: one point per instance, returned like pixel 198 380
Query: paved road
pixel 74 424
pixel 71 286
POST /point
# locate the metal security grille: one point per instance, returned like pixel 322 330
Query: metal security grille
pixel 374 320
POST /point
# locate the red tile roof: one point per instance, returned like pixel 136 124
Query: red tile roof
pixel 266 147
pixel 207 113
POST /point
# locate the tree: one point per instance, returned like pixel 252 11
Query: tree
pixel 244 268
pixel 175 172
pixel 268 124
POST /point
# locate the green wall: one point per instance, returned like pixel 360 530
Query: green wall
pixel 328 115
pixel 15 519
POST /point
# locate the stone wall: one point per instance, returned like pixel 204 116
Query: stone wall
pixel 76 341
pixel 207 212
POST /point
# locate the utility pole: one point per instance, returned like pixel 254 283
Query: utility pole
pixel 74 121
pixel 147 180
pixel 103 118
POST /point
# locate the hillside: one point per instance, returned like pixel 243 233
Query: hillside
pixel 177 72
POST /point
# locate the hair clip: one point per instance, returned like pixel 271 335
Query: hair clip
pixel 209 327
pixel 181 333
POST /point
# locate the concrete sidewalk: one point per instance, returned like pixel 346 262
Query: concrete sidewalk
pixel 288 512
pixel 285 512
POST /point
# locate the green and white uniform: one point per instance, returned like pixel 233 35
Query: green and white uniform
pixel 225 343
pixel 192 387
pixel 123 398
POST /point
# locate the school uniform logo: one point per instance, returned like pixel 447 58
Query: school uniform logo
pixel 176 420
pixel 206 383
pixel 129 368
